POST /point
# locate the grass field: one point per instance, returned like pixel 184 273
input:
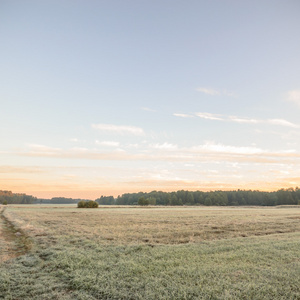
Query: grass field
pixel 154 253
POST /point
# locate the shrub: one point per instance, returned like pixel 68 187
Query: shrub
pixel 81 204
pixel 4 202
pixel 87 204
pixel 92 204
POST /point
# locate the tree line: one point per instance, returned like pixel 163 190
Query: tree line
pixel 59 200
pixel 8 197
pixel 288 196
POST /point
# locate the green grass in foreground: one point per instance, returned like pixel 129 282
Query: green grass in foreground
pixel 266 267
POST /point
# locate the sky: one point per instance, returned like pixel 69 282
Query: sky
pixel 109 97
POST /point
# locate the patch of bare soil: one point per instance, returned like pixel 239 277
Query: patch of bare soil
pixel 13 242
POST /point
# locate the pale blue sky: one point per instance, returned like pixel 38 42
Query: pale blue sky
pixel 106 97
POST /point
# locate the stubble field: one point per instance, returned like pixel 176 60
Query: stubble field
pixel 154 253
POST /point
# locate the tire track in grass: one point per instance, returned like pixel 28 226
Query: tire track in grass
pixel 13 241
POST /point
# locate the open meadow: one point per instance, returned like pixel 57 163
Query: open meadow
pixel 150 253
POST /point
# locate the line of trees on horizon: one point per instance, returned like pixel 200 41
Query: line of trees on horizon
pixel 59 200
pixel 8 197
pixel 290 196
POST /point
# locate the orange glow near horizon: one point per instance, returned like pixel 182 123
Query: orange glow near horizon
pixel 119 189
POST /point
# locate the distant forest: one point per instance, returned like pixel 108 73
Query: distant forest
pixel 10 198
pixel 59 200
pixel 288 196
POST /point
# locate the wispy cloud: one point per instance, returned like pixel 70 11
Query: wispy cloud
pixel 282 122
pixel 183 115
pixel 220 148
pixel 208 91
pixel 210 116
pixel 218 117
pixel 214 92
pixel 165 146
pixel 209 151
pixel 294 96
pixel 242 120
pixel 110 128
pixel 209 165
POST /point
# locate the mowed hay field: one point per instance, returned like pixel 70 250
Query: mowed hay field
pixel 155 253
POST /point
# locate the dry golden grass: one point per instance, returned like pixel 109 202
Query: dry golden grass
pixel 157 225
pixel 134 253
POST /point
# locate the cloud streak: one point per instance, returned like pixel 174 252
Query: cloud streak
pixel 220 148
pixel 118 129
pixel 214 92
pixel 207 152
pixel 165 146
pixel 209 165
pixel 209 116
pixel 236 119
pixel 182 115
pixel 243 120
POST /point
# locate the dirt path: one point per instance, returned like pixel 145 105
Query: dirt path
pixel 13 242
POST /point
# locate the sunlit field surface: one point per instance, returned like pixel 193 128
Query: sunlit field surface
pixel 155 253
